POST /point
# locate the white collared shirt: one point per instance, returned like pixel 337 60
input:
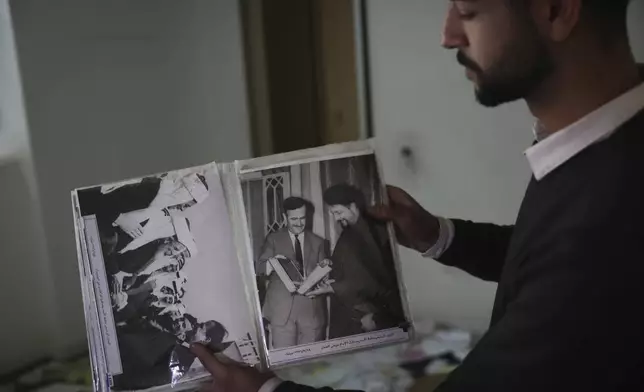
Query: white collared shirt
pixel 271 385
pixel 555 149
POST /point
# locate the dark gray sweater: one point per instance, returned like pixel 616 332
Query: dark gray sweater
pixel 567 314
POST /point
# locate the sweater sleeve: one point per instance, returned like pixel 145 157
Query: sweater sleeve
pixel 288 386
pixel 267 251
pixel 478 249
pixel 573 324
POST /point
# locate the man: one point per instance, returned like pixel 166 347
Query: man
pixel 365 286
pixel 135 217
pixel 294 319
pixel 170 256
pixel 152 357
pixel 570 271
pixel 156 300
pixel 139 209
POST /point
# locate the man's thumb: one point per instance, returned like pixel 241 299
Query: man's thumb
pixel 381 212
pixel 216 368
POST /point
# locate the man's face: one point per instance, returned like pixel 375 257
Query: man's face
pixel 173 248
pixel 200 334
pixel 296 220
pixel 166 298
pixel 345 215
pixel 183 324
pixel 500 48
pixel 173 252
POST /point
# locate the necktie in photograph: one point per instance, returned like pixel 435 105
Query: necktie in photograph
pixel 298 255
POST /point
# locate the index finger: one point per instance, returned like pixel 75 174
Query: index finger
pixel 399 196
pixel 218 370
pixel 381 212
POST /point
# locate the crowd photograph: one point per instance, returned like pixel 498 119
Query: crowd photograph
pixel 156 240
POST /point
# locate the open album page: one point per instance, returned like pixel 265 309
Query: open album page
pixel 327 273
pixel 164 274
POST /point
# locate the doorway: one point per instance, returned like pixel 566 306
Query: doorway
pixel 306 73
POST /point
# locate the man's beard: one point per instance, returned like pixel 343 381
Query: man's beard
pixel 516 75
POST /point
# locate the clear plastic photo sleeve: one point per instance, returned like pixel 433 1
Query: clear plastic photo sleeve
pixel 307 212
pixel 160 270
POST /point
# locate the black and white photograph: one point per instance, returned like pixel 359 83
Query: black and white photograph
pixel 162 252
pixel 325 269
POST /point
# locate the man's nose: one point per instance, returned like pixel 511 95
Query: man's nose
pixel 453 34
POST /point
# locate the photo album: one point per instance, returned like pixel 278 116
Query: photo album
pixel 269 262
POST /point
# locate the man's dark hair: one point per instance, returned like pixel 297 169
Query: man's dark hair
pixel 293 203
pixel 215 331
pixel 609 16
pixel 344 194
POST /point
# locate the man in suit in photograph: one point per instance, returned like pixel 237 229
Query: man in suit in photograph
pixel 294 319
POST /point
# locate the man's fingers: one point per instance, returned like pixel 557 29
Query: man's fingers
pixel 218 370
pixel 381 212
pixel 210 387
pixel 399 197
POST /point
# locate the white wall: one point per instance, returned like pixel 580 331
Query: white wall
pixel 12 130
pixel 122 88
pixel 468 160
pixel 27 321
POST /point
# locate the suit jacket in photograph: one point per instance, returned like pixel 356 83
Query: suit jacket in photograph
pixel 279 302
pixel 365 276
pixel 146 355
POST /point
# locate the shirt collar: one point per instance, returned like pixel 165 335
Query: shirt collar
pixel 300 236
pixel 552 151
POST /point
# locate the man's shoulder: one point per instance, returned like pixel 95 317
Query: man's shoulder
pixel 314 238
pixel 610 173
pixel 378 228
pixel 277 234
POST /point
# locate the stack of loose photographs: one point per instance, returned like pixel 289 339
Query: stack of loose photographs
pixel 269 262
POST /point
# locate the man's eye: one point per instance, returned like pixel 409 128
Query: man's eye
pixel 465 11
pixel 466 15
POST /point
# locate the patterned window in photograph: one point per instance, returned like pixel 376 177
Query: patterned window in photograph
pixel 276 189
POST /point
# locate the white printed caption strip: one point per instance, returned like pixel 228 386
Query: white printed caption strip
pixel 103 298
pixel 335 346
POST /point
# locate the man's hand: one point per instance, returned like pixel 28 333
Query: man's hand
pixel 119 300
pixel 273 260
pixel 129 223
pixel 325 263
pixel 229 377
pixel 415 227
pixel 322 289
pixel 367 322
